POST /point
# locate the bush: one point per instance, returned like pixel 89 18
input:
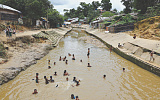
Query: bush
pixel 2 51
pixel 107 14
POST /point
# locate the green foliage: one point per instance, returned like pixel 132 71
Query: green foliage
pixel 2 51
pixel 128 4
pixel 106 5
pixel 54 17
pixel 143 4
pixel 107 14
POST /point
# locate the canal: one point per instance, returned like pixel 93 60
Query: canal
pixel 134 83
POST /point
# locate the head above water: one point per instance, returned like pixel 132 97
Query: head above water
pixel 104 76
pixel 37 74
pixel 44 77
pixel 50 76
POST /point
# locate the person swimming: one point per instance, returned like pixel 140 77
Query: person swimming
pixel 64 58
pixel 89 65
pixel 74 78
pixel 81 60
pixel 48 61
pixel 67 79
pixel 49 67
pixel 104 76
pixel 77 98
pixel 46 80
pixel 65 73
pixel 51 80
pixel 72 96
pixel 35 91
pixel 66 61
pixel 54 63
pixel 69 54
pixel 123 69
pixel 88 52
pixel 73 57
pixel 77 83
pixel 37 78
pixel 55 73
pixel 60 58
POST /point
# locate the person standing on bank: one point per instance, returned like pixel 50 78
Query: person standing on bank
pixel 7 32
pixel 14 32
pixel 10 32
pixel 151 56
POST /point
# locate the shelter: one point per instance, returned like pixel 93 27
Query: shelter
pixel 8 14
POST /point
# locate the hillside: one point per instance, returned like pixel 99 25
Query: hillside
pixel 148 28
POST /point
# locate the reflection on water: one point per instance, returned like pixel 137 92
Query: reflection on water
pixel 135 83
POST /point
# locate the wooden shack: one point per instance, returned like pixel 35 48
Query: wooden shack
pixel 8 14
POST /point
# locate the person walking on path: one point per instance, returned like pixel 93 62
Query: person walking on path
pixel 151 56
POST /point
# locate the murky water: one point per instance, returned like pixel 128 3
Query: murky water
pixel 134 83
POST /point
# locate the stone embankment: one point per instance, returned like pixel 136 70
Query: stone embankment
pixel 135 50
pixel 24 51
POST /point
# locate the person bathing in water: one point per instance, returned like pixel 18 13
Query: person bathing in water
pixel 49 67
pixel 81 60
pixel 55 73
pixel 88 52
pixel 69 54
pixel 64 58
pixel 65 73
pixel 54 63
pixel 60 58
pixel 37 78
pixel 51 80
pixel 46 80
pixel 35 91
pixel 49 62
pixel 73 57
pixel 66 61
pixel 89 65
pixel 104 76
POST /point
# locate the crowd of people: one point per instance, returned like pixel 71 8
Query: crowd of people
pixel 65 73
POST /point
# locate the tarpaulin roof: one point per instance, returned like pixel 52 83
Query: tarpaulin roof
pixel 9 8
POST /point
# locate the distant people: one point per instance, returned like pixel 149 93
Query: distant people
pixel 35 91
pixel 123 69
pixel 14 31
pixel 81 60
pixel 69 54
pixel 89 65
pixel 60 58
pixel 10 32
pixel 48 61
pixel 65 73
pixel 134 37
pixel 37 78
pixel 46 80
pixel 55 73
pixel 77 98
pixel 49 67
pixel 88 52
pixel 67 79
pixel 51 80
pixel 151 56
pixel 74 78
pixel 57 85
pixel 73 57
pixel 64 58
pixel 66 61
pixel 104 76
pixel 54 63
pixel 72 96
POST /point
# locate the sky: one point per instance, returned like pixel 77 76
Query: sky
pixel 69 4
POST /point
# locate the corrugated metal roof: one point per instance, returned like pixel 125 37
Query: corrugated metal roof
pixel 9 8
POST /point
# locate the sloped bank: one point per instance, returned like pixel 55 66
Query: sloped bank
pixel 135 60
pixel 27 50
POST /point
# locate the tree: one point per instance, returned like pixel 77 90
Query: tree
pixel 128 4
pixel 144 4
pixel 106 5
pixel 95 4
pixel 54 17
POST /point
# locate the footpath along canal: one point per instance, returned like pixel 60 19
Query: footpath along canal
pixel 134 83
